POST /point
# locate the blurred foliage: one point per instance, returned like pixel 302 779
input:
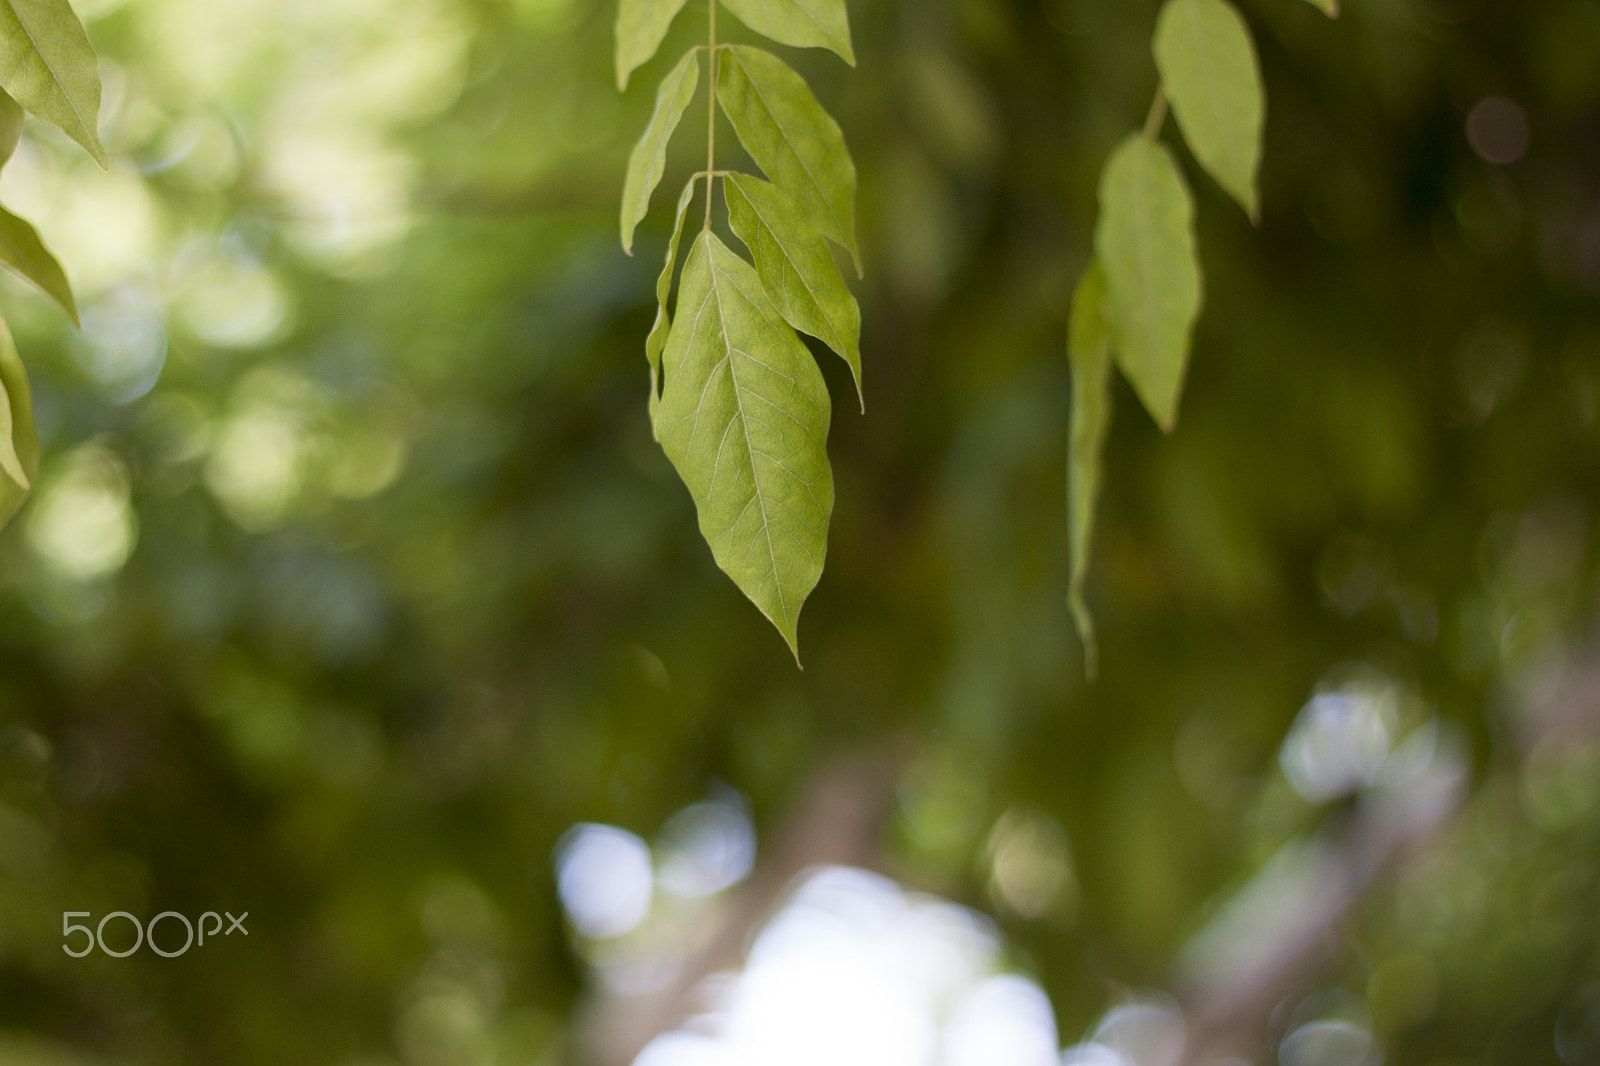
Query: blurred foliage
pixel 352 579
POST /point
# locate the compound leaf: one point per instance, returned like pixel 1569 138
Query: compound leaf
pixel 49 67
pixel 19 442
pixel 11 118
pixel 744 419
pixel 641 27
pixel 657 340
pixel 792 139
pixel 1145 244
pixel 649 156
pixel 1210 75
pixel 796 267
pixel 21 249
pixel 801 23
pixel 1089 353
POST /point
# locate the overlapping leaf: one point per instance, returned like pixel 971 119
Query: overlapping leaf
pixel 641 27
pixel 744 419
pixel 1089 352
pixel 11 119
pixel 794 141
pixel 649 156
pixel 1145 244
pixel 19 442
pixel 657 339
pixel 796 267
pixel 1210 75
pixel 49 67
pixel 802 23
pixel 23 251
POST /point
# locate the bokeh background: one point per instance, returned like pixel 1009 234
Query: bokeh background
pixel 354 594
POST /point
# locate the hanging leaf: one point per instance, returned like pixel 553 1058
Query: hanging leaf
pixel 49 67
pixel 792 139
pixel 641 27
pixel 1145 244
pixel 21 249
pixel 1210 75
pixel 1327 7
pixel 1089 352
pixel 657 340
pixel 801 23
pixel 11 119
pixel 649 157
pixel 796 267
pixel 744 419
pixel 19 442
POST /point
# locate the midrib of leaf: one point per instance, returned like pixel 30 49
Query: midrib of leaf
pixel 55 75
pixel 788 140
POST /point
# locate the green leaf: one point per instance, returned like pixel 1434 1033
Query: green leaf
pixel 49 67
pixel 1327 7
pixel 744 418
pixel 19 442
pixel 649 157
pixel 801 23
pixel 1145 244
pixel 1089 352
pixel 11 118
pixel 641 27
pixel 657 340
pixel 23 251
pixel 796 267
pixel 792 139
pixel 1210 75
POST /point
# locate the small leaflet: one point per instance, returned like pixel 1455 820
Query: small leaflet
pixel 649 157
pixel 49 67
pixel 641 27
pixel 793 140
pixel 657 340
pixel 1210 75
pixel 1327 7
pixel 1145 244
pixel 796 267
pixel 1089 353
pixel 19 442
pixel 801 23
pixel 21 249
pixel 744 419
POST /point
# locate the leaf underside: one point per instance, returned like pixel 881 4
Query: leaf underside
pixel 1089 353
pixel 801 23
pixel 641 27
pixel 649 157
pixel 23 251
pixel 1210 75
pixel 1144 241
pixel 19 442
pixel 49 67
pixel 744 419
pixel 657 339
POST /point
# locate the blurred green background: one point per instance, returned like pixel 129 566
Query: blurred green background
pixel 353 580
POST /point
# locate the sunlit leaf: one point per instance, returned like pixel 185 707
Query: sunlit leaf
pixel 1089 352
pixel 792 139
pixel 21 249
pixel 49 67
pixel 657 340
pixel 19 442
pixel 641 27
pixel 796 267
pixel 649 157
pixel 1210 75
pixel 802 23
pixel 744 418
pixel 1145 244
pixel 11 119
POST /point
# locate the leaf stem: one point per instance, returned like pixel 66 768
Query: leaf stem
pixel 711 115
pixel 1158 114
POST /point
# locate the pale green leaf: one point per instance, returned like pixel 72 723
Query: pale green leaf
pixel 641 27
pixel 49 67
pixel 1145 244
pixel 1327 7
pixel 657 340
pixel 801 23
pixel 792 139
pixel 21 249
pixel 1211 78
pixel 744 418
pixel 796 267
pixel 11 118
pixel 649 157
pixel 1089 352
pixel 19 442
